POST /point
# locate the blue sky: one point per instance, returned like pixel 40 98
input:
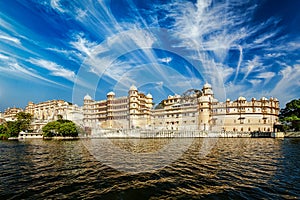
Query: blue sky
pixel 61 49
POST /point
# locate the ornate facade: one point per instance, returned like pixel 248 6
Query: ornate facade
pixel 10 113
pixel 132 111
pixel 45 112
pixel 201 111
pixel 194 110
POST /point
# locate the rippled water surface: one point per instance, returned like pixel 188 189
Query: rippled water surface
pixel 237 168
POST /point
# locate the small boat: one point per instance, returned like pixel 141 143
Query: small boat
pixel 32 135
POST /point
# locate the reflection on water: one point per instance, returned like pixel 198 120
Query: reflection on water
pixel 227 168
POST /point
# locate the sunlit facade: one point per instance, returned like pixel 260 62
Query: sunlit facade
pixel 194 110
pixel 10 114
pixel 203 112
pixel 47 111
pixel 132 111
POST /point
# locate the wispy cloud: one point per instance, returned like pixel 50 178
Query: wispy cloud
pixel 251 66
pixel 288 87
pixel 83 45
pixel 266 75
pixel 3 57
pixel 16 70
pixel 55 4
pixel 10 39
pixel 165 60
pixel 55 69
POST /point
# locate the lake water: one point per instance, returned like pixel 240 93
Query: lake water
pixel 224 168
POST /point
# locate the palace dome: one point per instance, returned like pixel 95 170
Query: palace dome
pixel 207 85
pixel 264 99
pixel 149 96
pixel 111 93
pixel 241 99
pixel 132 88
pixel 87 97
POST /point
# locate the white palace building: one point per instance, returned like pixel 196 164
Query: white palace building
pixel 194 110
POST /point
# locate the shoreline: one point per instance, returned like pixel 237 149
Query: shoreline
pixel 154 135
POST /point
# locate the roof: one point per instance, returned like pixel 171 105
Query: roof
pixel 111 93
pixel 241 98
pixel 133 87
pixel 149 96
pixel 207 85
pixel 87 97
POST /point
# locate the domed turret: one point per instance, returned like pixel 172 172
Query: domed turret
pixel 111 93
pixel 264 99
pixel 87 97
pixel 133 87
pixel 207 90
pixel 149 96
pixel 207 85
pixel 241 98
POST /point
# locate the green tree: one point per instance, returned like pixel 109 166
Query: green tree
pixel 68 129
pixel 23 120
pixel 51 129
pixel 3 132
pixel 3 129
pixel 290 115
pixel 60 128
pixel 13 128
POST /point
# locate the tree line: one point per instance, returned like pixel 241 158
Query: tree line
pixel 60 127
pixel 290 116
pixel 13 128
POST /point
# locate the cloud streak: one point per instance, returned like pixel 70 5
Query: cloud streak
pixel 55 69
